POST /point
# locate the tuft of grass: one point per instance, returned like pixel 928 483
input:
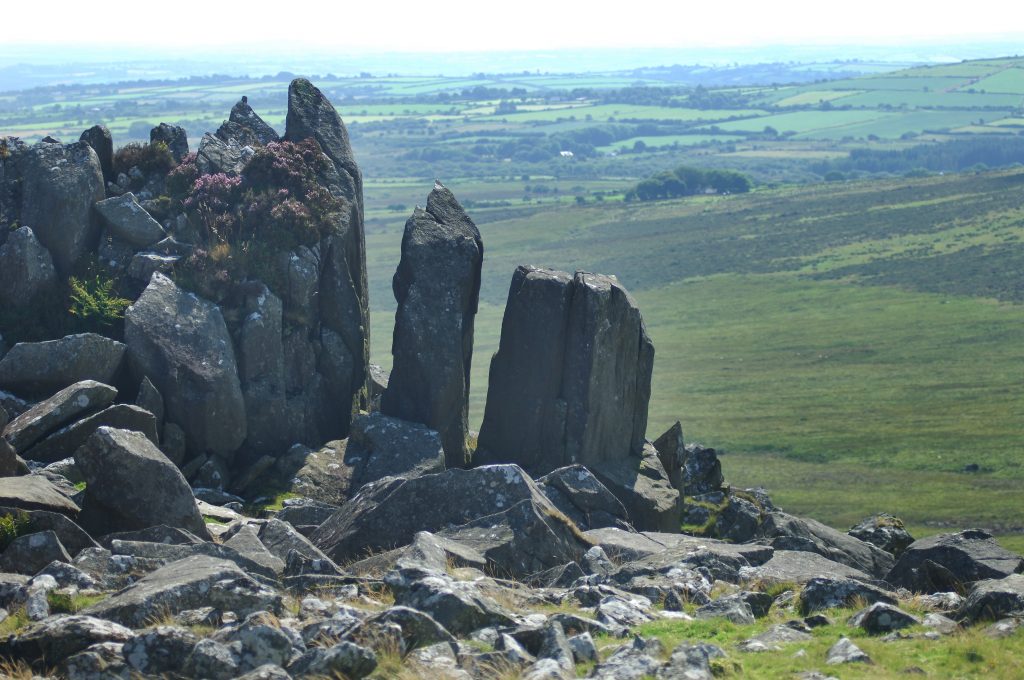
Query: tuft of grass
pixel 16 670
pixel 16 621
pixel 67 603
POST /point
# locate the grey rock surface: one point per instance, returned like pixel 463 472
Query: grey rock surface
pixel 645 490
pixel 994 599
pixel 948 561
pixel 98 137
pixel 42 368
pixel 182 344
pixel 187 584
pixel 65 441
pixel 53 413
pixel 35 492
pixel 570 382
pixel 132 485
pixel 129 222
pixel 787 532
pixel 59 187
pixel 26 269
pixel 437 287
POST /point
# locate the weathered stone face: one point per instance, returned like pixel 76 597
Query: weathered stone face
pixel 174 136
pixel 337 387
pixel 98 137
pixel 132 485
pixel 572 377
pixel 60 184
pixel 437 287
pixel 26 269
pixel 182 344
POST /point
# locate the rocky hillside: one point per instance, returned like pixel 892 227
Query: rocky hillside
pixel 202 476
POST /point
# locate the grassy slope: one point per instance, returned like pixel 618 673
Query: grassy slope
pixel 831 338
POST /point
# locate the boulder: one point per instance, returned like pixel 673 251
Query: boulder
pixel 182 344
pixel 629 546
pixel 132 485
pixel 378 446
pixel 994 599
pixel 29 553
pixel 159 651
pixel 217 156
pixel 950 561
pixel 881 618
pixel 437 287
pixel 794 566
pixel 129 222
pixel 730 607
pixel 571 379
pixel 10 463
pixel 174 136
pixel 583 498
pixel 44 367
pixel 51 414
pixel 787 532
pixel 844 651
pixel 523 540
pixel 645 490
pixel 827 593
pixel 388 513
pixel 885 531
pixel 672 454
pixel 26 269
pixel 35 492
pixel 98 137
pixel 456 605
pixel 149 399
pixel 60 184
pixel 390 447
pixel 55 639
pixel 702 471
pixel 186 584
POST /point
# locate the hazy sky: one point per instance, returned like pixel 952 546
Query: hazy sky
pixel 469 25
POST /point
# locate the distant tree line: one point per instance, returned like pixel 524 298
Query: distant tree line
pixel 688 181
pixel 954 156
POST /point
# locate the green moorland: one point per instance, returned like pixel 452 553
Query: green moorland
pixel 852 346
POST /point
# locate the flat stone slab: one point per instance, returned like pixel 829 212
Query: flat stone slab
pixel 34 492
pixel 792 566
pixel 53 413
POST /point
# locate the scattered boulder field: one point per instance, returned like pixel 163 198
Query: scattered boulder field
pixel 204 477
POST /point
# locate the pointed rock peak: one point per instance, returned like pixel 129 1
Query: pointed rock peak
pixel 310 114
pixel 446 209
pixel 243 115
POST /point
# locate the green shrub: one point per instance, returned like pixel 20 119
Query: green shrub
pixel 12 526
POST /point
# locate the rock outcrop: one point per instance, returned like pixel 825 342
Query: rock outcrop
pixel 437 287
pixel 571 379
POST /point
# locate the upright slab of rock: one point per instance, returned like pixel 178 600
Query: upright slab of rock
pixel 328 286
pixel 572 377
pixel 181 343
pixel 437 287
pixel 60 184
pixel 99 138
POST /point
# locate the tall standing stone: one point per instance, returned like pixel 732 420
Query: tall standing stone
pixel 437 287
pixel 98 137
pixel 343 300
pixel 571 380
